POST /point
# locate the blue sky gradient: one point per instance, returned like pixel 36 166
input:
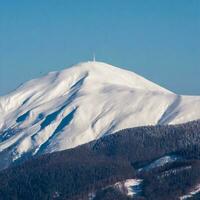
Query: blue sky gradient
pixel 157 39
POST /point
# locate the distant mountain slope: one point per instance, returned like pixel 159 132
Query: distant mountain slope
pixel 65 109
pixel 145 163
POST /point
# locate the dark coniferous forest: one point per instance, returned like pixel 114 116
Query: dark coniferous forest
pixel 95 167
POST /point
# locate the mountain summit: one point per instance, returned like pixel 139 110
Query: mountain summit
pixel 74 106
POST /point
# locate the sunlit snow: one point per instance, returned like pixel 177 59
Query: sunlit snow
pixel 191 193
pixel 74 106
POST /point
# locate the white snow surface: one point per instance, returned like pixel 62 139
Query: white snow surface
pixel 195 191
pixel 160 162
pixel 79 104
pixel 130 187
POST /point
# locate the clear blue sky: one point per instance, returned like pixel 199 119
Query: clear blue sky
pixel 159 39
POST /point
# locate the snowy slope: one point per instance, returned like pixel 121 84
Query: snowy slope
pixel 129 187
pixel 64 109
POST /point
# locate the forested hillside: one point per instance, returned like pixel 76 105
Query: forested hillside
pixel 165 158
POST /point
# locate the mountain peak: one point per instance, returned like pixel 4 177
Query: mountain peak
pixel 106 73
pixel 82 103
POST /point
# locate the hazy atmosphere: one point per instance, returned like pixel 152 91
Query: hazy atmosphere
pixel 156 39
pixel 99 99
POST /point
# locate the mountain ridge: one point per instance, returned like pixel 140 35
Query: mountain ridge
pixel 76 105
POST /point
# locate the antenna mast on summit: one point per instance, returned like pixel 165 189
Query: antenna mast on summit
pixel 94 59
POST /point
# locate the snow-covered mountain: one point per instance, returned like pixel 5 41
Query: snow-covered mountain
pixel 74 106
